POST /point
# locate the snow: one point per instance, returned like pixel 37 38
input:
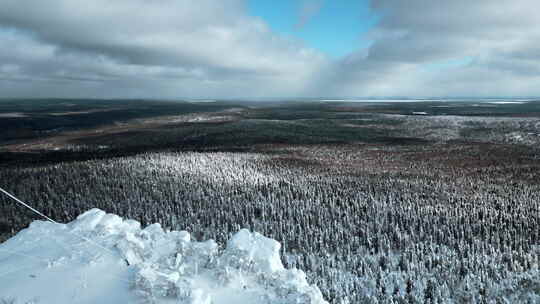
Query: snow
pixel 102 258
pixel 379 100
pixel 507 102
pixel 263 252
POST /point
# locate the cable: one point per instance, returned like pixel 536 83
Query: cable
pixel 47 262
pixel 54 222
pixel 40 259
pixel 27 206
pixel 15 270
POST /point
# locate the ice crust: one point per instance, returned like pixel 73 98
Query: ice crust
pixel 102 258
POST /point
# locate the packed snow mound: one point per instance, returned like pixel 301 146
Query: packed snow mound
pixel 102 258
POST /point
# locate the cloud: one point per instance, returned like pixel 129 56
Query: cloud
pixel 176 47
pixel 498 39
pixel 212 48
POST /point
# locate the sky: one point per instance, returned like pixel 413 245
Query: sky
pixel 265 49
pixel 333 27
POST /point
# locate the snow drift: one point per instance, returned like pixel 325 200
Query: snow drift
pixel 101 258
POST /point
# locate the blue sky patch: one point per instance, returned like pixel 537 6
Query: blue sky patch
pixel 333 27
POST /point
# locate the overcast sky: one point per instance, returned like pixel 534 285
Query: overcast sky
pixel 262 48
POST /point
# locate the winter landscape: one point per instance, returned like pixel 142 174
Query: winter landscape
pixel 371 201
pixel 269 152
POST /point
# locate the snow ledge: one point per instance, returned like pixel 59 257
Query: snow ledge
pixel 102 258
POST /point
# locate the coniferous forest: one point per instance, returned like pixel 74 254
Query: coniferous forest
pixel 376 204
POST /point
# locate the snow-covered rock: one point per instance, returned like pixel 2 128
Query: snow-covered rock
pixel 101 258
pixel 259 250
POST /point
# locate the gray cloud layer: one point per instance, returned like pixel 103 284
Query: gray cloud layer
pixel 498 40
pixel 213 48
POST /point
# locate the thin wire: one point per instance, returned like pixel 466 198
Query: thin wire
pixel 25 255
pixel 47 262
pixel 27 206
pixel 53 221
pixel 15 270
